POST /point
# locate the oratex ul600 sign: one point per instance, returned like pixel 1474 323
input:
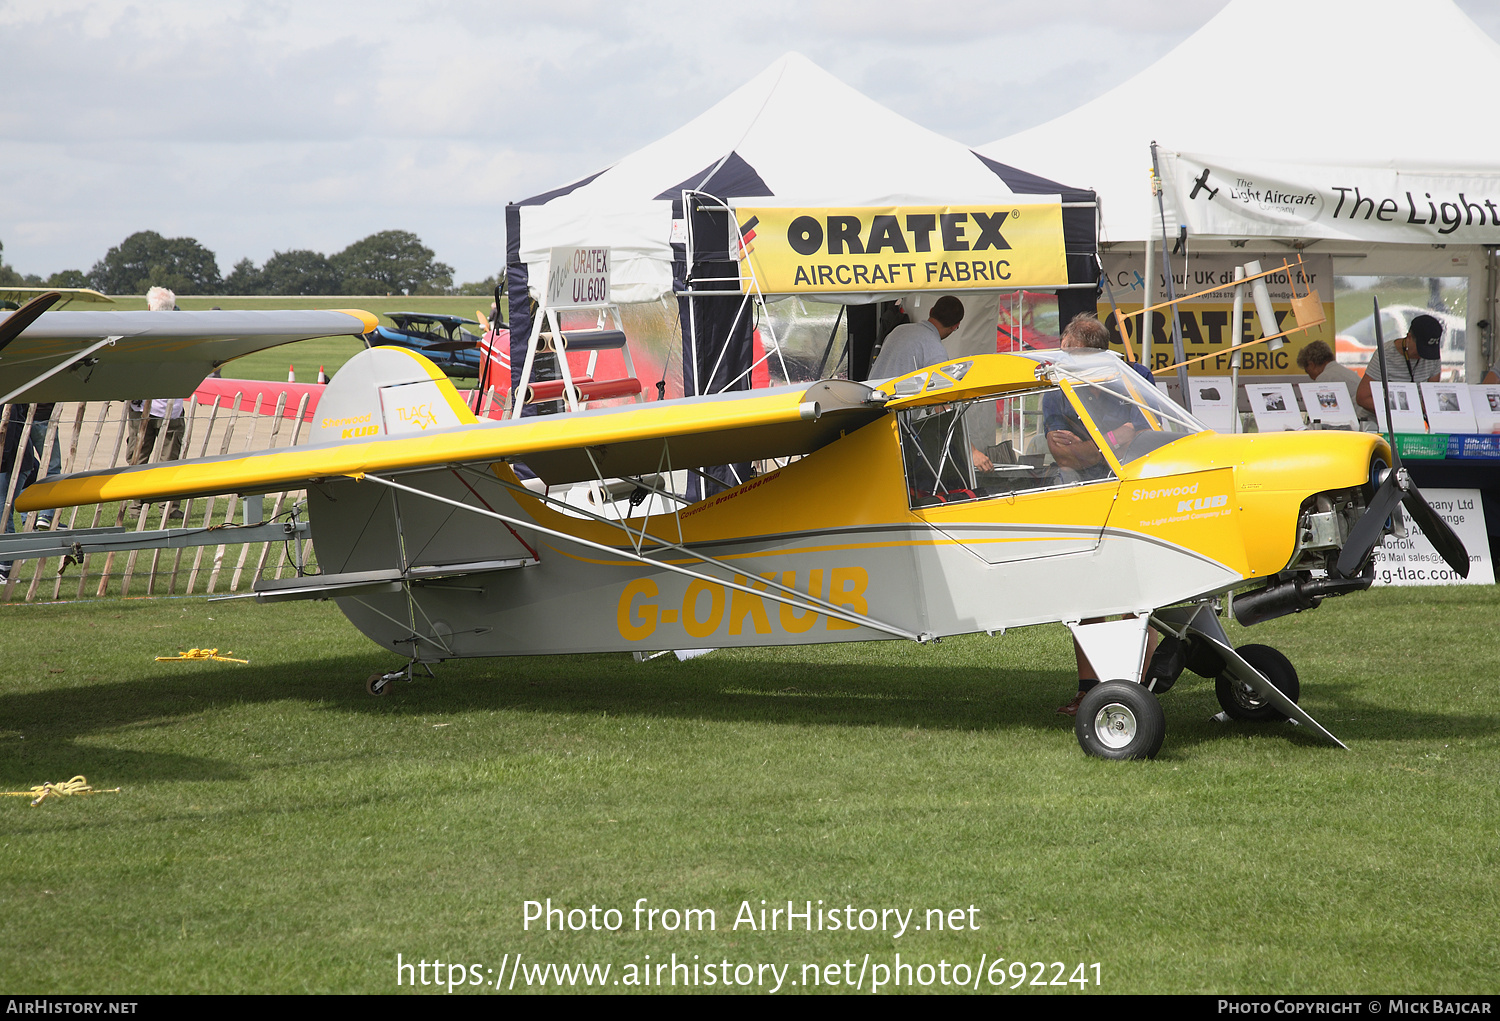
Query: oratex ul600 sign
pixel 905 248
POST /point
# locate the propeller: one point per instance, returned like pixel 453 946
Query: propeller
pixel 15 324
pixel 452 345
pixel 1398 488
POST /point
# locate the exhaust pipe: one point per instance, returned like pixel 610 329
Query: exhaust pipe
pixel 1281 598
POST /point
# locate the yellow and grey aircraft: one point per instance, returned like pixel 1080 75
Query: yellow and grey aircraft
pixel 867 520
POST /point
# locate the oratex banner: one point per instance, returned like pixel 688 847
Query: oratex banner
pixel 1220 197
pixel 902 248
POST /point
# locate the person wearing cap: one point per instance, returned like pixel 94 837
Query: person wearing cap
pixel 1414 358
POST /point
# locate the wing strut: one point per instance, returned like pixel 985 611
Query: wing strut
pixel 830 609
pixel 842 613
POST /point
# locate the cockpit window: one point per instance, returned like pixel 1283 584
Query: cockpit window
pixel 1132 415
pixel 1037 440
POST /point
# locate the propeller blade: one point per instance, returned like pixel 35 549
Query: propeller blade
pixel 1370 529
pixel 15 324
pixel 452 345
pixel 1438 531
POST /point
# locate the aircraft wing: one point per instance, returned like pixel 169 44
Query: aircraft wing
pixel 155 354
pixel 634 439
pixel 69 294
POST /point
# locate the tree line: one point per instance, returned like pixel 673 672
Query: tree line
pixel 390 262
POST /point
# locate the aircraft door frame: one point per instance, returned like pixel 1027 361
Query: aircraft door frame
pixel 1025 508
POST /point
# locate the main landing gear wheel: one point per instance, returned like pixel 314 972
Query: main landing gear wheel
pixel 1240 700
pixel 381 684
pixel 1120 720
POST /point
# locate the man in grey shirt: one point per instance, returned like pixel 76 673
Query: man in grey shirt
pixel 1316 359
pixel 1415 358
pixel 913 346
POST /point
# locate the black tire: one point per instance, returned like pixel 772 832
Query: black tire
pixel 1120 720
pixel 1237 698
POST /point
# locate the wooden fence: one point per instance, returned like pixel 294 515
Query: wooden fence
pixel 96 435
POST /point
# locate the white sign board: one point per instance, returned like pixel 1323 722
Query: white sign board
pixel 1413 561
pixel 1448 407
pixel 1406 407
pixel 1274 406
pixel 1213 402
pixel 1486 398
pixel 578 278
pixel 1328 403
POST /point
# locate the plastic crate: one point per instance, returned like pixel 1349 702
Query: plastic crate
pixel 1420 446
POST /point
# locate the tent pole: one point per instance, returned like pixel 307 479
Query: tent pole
pixel 1236 333
pixel 1147 299
pixel 1166 264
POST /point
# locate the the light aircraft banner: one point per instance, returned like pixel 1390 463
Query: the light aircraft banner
pixel 1347 203
pixel 902 248
pixel 1205 319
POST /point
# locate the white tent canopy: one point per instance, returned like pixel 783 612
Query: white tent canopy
pixel 1381 84
pixel 1284 102
pixel 794 135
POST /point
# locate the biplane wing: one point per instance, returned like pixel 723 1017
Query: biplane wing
pixel 95 356
pixel 412 418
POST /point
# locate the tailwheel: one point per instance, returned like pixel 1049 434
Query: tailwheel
pixel 379 684
pixel 1243 702
pixel 1120 720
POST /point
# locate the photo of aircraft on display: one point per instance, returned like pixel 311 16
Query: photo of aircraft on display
pixel 868 521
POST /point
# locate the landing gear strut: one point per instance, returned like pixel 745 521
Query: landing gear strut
pixel 380 683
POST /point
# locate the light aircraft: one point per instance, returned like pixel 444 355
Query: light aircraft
pixel 868 522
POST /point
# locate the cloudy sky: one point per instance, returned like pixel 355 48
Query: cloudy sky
pixel 268 126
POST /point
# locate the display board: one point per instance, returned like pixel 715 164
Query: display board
pixel 1486 406
pixel 1213 402
pixel 1274 406
pixel 1328 403
pixel 1205 319
pixel 1406 407
pixel 1449 408
pixel 1414 561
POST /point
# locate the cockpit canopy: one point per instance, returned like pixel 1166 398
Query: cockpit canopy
pixel 1085 418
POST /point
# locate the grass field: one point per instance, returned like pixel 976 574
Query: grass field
pixel 280 830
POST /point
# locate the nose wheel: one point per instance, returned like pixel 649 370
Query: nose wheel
pixel 1242 702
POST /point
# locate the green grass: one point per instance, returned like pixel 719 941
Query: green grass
pixel 280 830
pixel 329 352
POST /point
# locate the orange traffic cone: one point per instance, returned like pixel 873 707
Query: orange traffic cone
pixel 322 376
pixel 291 374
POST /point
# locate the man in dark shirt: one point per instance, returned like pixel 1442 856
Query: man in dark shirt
pixel 1067 437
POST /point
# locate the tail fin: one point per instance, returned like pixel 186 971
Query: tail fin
pixel 387 391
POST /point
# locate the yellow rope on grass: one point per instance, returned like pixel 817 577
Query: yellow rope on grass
pixel 199 654
pixel 41 792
